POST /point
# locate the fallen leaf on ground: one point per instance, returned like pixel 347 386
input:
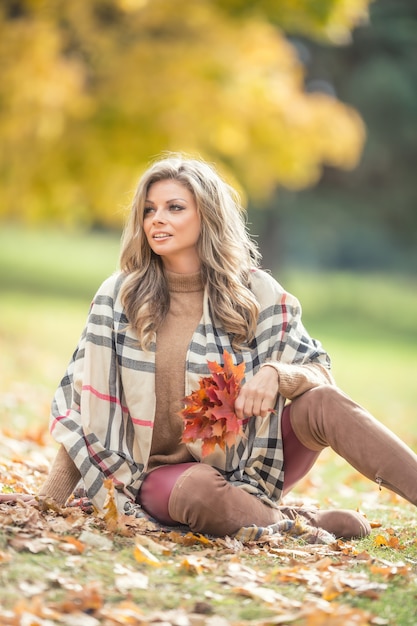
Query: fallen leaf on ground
pixel 143 555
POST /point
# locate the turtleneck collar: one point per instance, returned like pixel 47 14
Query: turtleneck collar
pixel 184 282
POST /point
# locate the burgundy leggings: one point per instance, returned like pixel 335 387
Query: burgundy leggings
pixel 157 486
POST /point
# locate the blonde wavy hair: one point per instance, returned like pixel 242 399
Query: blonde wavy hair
pixel 226 251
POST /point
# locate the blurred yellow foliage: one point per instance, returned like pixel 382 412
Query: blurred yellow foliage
pixel 90 92
pixel 329 20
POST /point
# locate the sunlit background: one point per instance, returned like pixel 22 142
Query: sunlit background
pixel 309 109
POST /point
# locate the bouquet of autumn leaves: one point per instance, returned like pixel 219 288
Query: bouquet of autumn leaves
pixel 209 412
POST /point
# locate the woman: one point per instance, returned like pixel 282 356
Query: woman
pixel 189 288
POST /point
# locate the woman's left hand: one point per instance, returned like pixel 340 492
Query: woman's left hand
pixel 258 395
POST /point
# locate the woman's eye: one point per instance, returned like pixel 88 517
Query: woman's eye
pixel 147 210
pixel 176 207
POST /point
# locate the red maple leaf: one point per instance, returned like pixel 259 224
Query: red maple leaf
pixel 209 412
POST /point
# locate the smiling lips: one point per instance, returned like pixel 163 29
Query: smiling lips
pixel 161 236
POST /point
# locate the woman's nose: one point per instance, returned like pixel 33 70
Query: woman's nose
pixel 158 217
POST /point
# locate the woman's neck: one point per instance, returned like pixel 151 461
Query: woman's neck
pixel 184 264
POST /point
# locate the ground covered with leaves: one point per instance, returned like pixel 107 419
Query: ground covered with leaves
pixel 69 567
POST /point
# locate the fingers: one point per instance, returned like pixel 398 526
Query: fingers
pixel 250 403
pixel 258 396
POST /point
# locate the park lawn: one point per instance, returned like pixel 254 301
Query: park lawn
pixel 374 360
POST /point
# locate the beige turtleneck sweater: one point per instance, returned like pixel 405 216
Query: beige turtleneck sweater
pixel 173 338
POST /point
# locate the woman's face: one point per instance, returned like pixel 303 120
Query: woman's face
pixel 172 225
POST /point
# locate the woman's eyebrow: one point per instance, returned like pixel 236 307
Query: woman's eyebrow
pixel 167 201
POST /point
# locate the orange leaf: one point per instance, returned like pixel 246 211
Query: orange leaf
pixel 380 541
pixel 390 542
pixel 111 515
pixel 389 570
pixel 143 555
pixel 189 539
pixel 209 411
pixel 71 544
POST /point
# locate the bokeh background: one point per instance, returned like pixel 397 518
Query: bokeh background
pixel 308 108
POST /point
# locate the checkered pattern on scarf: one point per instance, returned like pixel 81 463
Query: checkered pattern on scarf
pixel 103 410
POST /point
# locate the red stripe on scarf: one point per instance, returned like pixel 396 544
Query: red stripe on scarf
pixel 103 396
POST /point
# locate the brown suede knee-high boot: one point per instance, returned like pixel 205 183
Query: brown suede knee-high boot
pixel 203 500
pixel 325 416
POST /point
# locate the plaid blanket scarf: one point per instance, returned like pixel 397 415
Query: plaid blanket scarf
pixel 103 410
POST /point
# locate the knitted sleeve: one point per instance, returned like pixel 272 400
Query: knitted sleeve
pixel 295 379
pixel 62 478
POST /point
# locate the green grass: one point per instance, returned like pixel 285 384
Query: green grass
pixel 47 281
pixel 366 322
pixel 66 264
